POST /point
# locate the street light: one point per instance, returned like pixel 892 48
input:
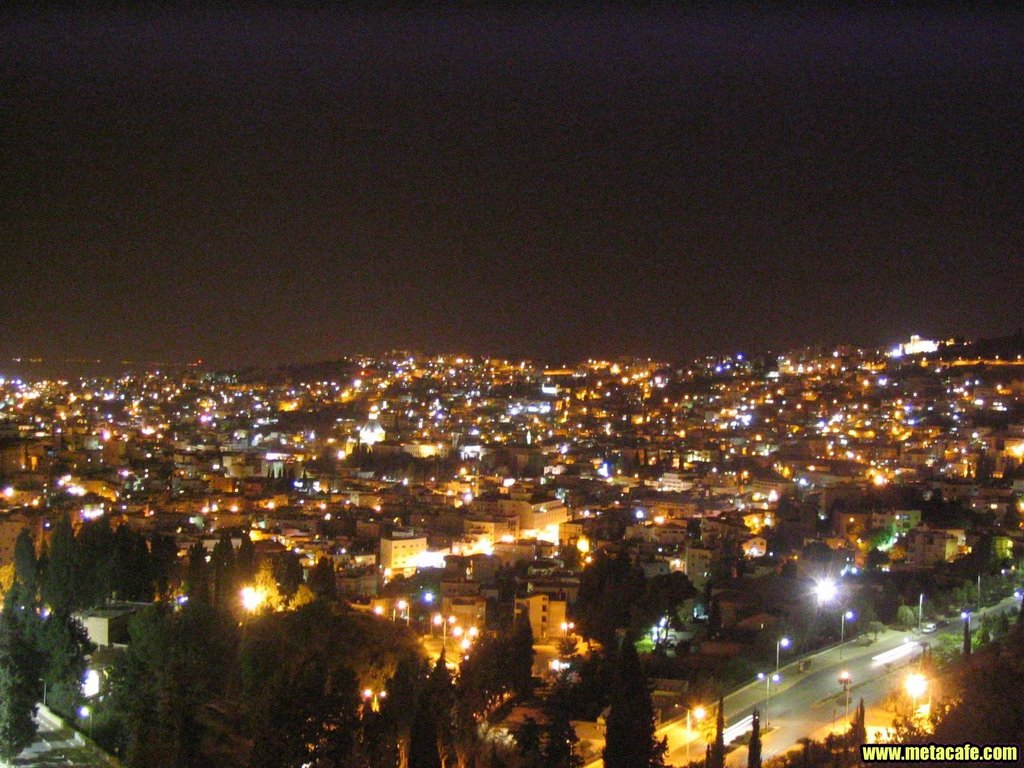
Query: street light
pixel 782 642
pixel 698 714
pixel 401 605
pixel 86 712
pixel 768 680
pixel 440 621
pixel 374 697
pixel 253 599
pixel 846 616
pixel 845 680
pixel 826 591
pixel 916 686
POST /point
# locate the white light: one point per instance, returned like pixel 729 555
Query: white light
pixel 825 591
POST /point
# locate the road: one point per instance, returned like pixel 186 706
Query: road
pixel 57 746
pixel 812 703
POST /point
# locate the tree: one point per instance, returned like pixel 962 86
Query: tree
pixel 520 657
pixel 63 645
pixel 859 728
pixel 197 579
pixel 440 689
pixel 423 752
pixel 20 674
pixel 265 583
pixel 322 579
pixel 288 570
pixel 60 579
pixel 967 636
pixel 877 558
pixel 163 554
pixel 629 737
pixel 754 746
pixel 7 579
pixel 132 572
pixel 528 744
pixel 875 628
pixel 94 560
pixel 303 596
pixel 560 744
pixel 245 559
pixel 906 617
pixel 222 571
pixel 26 564
pixel 432 734
pixel 400 707
pixel 716 750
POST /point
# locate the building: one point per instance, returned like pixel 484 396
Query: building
pixel 697 565
pixel 547 615
pixel 401 552
pixel 928 546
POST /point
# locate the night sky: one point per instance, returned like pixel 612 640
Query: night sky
pixel 270 185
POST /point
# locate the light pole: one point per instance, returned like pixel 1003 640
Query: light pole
pixel 846 616
pixel 374 697
pixel 698 714
pixel 916 686
pixel 782 642
pixel 845 681
pixel 920 610
pixel 768 680
pixel 86 712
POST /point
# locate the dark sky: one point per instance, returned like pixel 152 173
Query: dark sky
pixel 267 185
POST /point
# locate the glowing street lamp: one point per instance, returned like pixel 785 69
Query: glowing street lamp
pixel 86 713
pixel 698 713
pixel 768 680
pixel 401 606
pixel 374 697
pixel 826 591
pixel 916 686
pixel 845 680
pixel 845 617
pixel 253 599
pixel 782 642
pixel 440 621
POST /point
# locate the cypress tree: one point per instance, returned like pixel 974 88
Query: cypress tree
pixel 26 564
pixel 60 578
pixel 222 566
pixel 716 757
pixel 433 728
pixel 423 752
pixel 629 738
pixel 198 577
pixel 859 727
pixel 245 559
pixel 754 747
pixel 520 657
pixel 560 746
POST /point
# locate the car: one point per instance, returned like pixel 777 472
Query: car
pixel 929 627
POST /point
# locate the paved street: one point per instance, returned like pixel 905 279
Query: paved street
pixel 811 703
pixel 57 746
